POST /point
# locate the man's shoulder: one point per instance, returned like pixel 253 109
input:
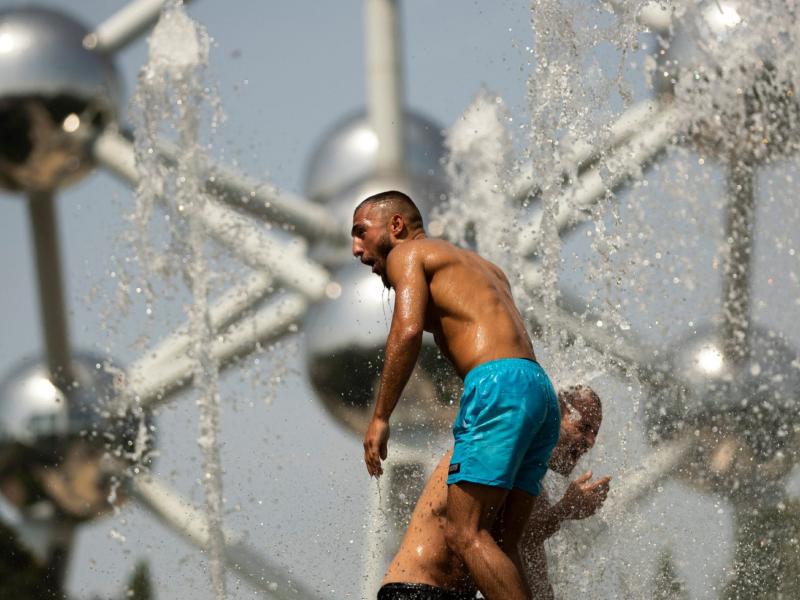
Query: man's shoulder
pixel 420 250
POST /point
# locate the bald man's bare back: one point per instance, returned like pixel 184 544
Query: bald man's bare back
pixel 470 309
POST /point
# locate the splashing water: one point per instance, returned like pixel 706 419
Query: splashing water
pixel 571 99
pixel 169 102
pixel 480 157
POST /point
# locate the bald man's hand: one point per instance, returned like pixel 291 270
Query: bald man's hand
pixel 376 442
pixel 584 497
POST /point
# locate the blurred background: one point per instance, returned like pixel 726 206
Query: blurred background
pixel 288 77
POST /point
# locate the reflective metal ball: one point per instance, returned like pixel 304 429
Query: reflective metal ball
pixel 51 86
pixel 39 420
pixel 725 65
pixel 341 171
pixel 741 414
pixel 345 338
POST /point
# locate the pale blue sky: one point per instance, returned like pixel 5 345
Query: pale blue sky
pixel 287 70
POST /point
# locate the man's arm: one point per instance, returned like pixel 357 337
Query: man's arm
pixel 582 499
pixel 406 273
pixel 536 569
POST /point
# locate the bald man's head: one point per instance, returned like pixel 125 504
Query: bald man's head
pixel 391 203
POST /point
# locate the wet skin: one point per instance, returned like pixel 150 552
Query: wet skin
pixel 424 557
pixel 466 302
pixel 461 298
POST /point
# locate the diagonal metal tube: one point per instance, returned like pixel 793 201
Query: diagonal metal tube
pixel 303 217
pixel 256 246
pixel 162 379
pixel 623 355
pixel 182 517
pixel 737 263
pixel 626 161
pixel 627 491
pixel 124 26
pixel 581 155
pixel 222 313
pixel 44 229
pixel 285 259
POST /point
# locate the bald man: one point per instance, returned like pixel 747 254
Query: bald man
pixel 508 419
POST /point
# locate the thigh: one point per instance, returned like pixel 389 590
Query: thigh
pixel 474 506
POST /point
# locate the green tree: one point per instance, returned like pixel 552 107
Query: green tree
pixel 767 559
pixel 140 587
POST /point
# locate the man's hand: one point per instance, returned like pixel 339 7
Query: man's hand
pixel 583 497
pixel 375 445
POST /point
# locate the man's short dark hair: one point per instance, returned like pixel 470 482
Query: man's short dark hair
pixel 396 202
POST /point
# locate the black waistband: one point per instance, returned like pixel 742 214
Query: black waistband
pixel 419 591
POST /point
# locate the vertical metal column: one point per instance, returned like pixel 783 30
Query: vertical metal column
pixel 385 112
pixel 738 260
pixel 385 83
pixel 51 289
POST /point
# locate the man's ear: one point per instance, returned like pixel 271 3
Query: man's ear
pixel 397 224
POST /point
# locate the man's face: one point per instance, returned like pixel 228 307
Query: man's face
pixel 371 240
pixel 580 423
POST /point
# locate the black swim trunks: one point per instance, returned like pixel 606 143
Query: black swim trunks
pixel 419 591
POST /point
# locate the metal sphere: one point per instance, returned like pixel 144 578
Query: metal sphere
pixel 51 85
pixel 742 414
pixel 40 419
pixel 732 79
pixel 344 163
pixel 345 338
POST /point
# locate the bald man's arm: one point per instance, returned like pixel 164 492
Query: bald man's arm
pixel 406 273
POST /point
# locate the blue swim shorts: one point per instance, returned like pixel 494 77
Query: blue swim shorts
pixel 507 425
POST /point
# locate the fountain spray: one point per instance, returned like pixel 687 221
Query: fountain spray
pixel 170 100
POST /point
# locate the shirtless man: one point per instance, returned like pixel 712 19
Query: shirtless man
pixel 508 419
pixel 424 569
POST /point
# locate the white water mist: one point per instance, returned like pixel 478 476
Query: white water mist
pixel 170 101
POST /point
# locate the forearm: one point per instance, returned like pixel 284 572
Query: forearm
pixel 402 349
pixel 545 523
pixel 536 572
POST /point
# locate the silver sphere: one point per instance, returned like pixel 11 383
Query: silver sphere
pixel 51 85
pixel 345 338
pixel 39 419
pixel 343 165
pixel 741 414
pixel 728 64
